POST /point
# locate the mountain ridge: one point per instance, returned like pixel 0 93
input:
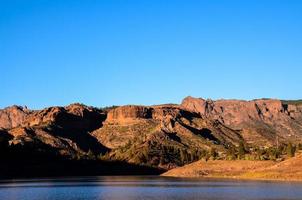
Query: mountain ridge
pixel 159 136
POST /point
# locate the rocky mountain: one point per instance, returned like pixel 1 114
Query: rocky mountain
pixel 12 116
pixel 160 137
pixel 165 136
pixel 261 121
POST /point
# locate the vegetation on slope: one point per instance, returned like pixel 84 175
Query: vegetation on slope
pixel 289 169
pixel 292 102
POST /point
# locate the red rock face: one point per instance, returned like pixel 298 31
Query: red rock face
pixel 235 111
pixel 227 111
pixel 13 116
pixel 295 111
pixel 264 114
pixel 132 113
pixel 17 120
pixel 42 116
pixel 74 116
pixel 64 129
pixel 128 114
pixel 162 112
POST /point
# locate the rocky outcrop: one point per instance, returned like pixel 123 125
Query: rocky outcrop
pixel 261 116
pixel 295 111
pixel 128 114
pixel 74 116
pixel 133 112
pixel 235 112
pixel 65 130
pixel 167 115
pixel 157 134
pixel 13 116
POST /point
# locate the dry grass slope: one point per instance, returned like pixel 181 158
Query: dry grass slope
pixel 288 170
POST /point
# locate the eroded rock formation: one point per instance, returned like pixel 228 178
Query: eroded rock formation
pixel 265 117
pixel 13 116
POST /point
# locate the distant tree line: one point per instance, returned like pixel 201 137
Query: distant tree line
pixel 245 152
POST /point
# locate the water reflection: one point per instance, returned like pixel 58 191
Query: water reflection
pixel 147 187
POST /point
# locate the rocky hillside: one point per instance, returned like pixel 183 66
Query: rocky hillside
pixel 13 116
pixel 162 137
pixel 261 121
pixel 64 130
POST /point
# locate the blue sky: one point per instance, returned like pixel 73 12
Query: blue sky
pixel 112 52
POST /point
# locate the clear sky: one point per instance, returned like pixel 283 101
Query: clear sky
pixel 111 52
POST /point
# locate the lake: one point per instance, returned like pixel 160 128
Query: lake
pixel 146 188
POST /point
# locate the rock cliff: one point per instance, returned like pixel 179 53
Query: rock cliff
pixel 13 116
pixel 267 118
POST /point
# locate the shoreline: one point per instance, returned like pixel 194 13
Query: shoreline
pixel 287 170
pixel 230 178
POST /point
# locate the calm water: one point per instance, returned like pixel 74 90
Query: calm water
pixel 147 187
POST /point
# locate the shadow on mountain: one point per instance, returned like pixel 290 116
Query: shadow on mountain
pixel 173 136
pixel 4 136
pixel 82 138
pixel 40 160
pixel 90 121
pixel 204 132
pixel 77 129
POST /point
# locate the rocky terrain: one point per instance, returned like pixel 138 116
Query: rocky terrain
pixel 164 136
pixel 261 121
pixel 158 137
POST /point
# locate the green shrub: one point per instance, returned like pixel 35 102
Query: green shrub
pixel 291 150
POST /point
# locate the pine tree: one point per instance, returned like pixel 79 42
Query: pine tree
pixel 241 150
pixel 213 153
pixel 231 153
pixel 182 156
pixel 290 150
